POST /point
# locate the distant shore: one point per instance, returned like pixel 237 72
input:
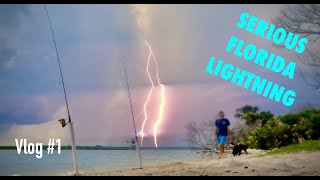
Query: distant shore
pixel 304 163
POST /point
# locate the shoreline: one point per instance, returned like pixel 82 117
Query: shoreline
pixel 303 163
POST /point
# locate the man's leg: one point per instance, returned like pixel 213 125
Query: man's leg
pixel 223 142
pixel 220 150
pixel 219 145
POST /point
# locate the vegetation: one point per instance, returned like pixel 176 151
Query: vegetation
pixel 285 130
pixel 262 130
pixel 200 137
pixel 307 146
pixel 252 116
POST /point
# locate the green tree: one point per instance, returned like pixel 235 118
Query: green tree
pixel 245 109
pixel 247 113
pixel 252 116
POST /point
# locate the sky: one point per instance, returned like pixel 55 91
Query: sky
pixel 93 43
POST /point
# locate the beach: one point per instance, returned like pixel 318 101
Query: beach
pixel 251 164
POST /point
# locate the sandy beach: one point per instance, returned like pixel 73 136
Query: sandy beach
pixel 297 164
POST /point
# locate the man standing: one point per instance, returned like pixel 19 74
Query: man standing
pixel 222 132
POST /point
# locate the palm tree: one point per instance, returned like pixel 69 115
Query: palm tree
pixel 248 113
pixel 251 115
pixel 240 112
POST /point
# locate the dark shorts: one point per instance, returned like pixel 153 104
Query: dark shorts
pixel 221 139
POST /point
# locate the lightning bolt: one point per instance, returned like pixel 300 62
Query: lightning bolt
pixel 155 128
pixel 141 133
pixel 160 116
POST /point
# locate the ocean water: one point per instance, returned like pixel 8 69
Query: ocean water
pixel 12 163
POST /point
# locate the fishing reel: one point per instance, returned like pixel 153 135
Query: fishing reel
pixel 63 122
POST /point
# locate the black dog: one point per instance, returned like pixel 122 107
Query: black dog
pixel 238 148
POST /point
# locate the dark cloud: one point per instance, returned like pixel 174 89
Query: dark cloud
pixel 6 55
pixel 10 14
pixel 15 116
pixel 25 110
pixel 11 18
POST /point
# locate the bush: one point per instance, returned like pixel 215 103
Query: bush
pixel 285 130
pixel 290 119
pixel 271 135
pixel 315 119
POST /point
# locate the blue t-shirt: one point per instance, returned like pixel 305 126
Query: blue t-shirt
pixel 222 125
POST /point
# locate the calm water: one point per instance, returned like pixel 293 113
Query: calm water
pixel 88 160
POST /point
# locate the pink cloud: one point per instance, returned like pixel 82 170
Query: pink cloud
pixel 104 117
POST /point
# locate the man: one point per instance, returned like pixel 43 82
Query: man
pixel 222 132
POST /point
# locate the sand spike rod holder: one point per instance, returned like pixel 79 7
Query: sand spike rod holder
pixel 134 123
pixel 62 121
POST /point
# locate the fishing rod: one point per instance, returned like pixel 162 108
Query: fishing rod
pixel 75 164
pixel 134 123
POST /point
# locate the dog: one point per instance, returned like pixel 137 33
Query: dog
pixel 238 148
